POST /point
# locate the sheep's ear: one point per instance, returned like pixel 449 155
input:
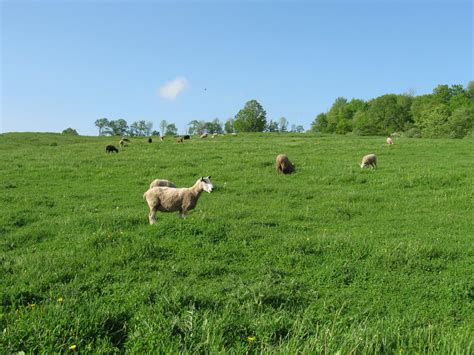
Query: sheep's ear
pixel 209 177
pixel 202 178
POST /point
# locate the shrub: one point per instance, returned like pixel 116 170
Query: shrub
pixel 413 132
pixel 70 131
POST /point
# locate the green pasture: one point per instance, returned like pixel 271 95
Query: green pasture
pixel 332 258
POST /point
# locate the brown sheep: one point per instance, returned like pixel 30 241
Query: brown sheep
pixel 284 165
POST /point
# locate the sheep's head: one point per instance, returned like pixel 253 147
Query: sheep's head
pixel 207 184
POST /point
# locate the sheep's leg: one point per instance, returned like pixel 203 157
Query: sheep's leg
pixel 182 214
pixel 152 215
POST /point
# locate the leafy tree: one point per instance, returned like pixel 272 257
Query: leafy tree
pixel 140 128
pixel 461 122
pixel 320 123
pixel 363 125
pixel 171 130
pixel 299 129
pixel 441 94
pixel 117 128
pixel 272 126
pixel 335 114
pixel 456 90
pixel 193 127
pixel 344 126
pixel 445 112
pixel 215 126
pixel 198 127
pixel 163 125
pixel 385 115
pixel 229 125
pixel 155 133
pixel 134 129
pixel 434 122
pixel 283 124
pixel 102 123
pixel 70 131
pixel 252 118
pixel 470 90
pixel 148 127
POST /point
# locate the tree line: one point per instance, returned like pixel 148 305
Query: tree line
pixel 251 118
pixel 447 112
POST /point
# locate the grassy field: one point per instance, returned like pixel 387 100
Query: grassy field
pixel 332 258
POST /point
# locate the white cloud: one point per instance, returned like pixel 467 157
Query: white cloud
pixel 173 88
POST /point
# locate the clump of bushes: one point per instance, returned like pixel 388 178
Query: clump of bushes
pixel 70 131
pixel 413 132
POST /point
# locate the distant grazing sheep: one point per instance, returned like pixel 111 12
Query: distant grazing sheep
pixel 389 140
pixel 187 136
pixel 214 135
pixel 182 200
pixel 110 149
pixel 284 165
pixel 234 134
pixel 369 159
pixel 150 140
pixel 122 143
pixel 162 138
pixel 204 135
pixel 179 139
pixel 161 182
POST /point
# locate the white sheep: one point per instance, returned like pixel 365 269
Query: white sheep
pixel 369 159
pixel 204 135
pixel 161 182
pixel 168 199
pixel 389 140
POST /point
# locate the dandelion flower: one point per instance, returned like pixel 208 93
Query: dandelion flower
pixel 73 347
pixel 60 300
pixel 250 339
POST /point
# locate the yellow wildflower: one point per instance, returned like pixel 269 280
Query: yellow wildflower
pixel 250 339
pixel 60 300
pixel 73 347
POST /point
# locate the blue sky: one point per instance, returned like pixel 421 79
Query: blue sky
pixel 68 63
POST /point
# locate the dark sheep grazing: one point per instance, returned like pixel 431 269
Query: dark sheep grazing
pixel 150 140
pixel 187 136
pixel 110 149
pixel 284 165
